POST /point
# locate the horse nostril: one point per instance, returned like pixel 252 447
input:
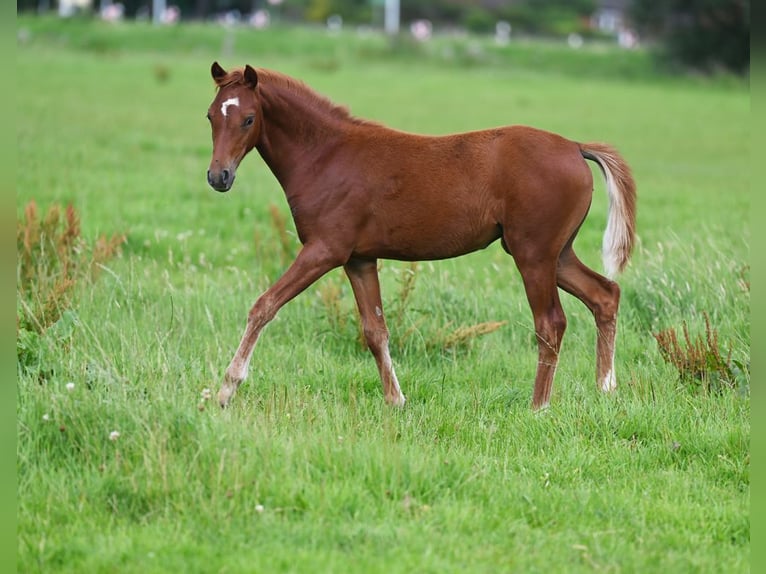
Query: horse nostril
pixel 225 175
pixel 209 178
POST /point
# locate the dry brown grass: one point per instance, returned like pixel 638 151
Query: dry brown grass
pixel 52 258
pixel 700 360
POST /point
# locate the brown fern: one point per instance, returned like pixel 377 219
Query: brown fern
pixel 52 258
pixel 700 359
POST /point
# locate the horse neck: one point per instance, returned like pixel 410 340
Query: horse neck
pixel 297 128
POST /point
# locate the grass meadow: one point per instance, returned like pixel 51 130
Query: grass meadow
pixel 309 471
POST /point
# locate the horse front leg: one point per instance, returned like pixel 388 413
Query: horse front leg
pixel 313 261
pixel 363 275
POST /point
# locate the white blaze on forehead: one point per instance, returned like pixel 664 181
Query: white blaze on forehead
pixel 227 103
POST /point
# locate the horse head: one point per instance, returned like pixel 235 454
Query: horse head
pixel 235 118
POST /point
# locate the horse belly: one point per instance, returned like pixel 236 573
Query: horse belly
pixel 428 231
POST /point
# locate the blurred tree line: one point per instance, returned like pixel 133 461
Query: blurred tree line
pixel 703 34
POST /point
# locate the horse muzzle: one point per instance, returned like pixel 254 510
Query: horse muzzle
pixel 221 180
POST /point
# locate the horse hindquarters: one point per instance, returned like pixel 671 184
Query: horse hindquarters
pixel 544 204
pixel 600 294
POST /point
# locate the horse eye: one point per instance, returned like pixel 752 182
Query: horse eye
pixel 248 122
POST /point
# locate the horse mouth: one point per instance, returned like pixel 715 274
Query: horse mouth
pixel 221 188
pixel 221 181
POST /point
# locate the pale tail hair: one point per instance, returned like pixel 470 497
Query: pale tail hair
pixel 620 231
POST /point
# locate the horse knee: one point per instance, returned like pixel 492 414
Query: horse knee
pixel 262 312
pixel 376 338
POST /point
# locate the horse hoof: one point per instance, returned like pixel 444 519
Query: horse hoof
pixel 541 409
pixel 224 396
pixel 609 382
pixel 397 401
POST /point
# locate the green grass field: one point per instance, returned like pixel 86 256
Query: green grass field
pixel 309 471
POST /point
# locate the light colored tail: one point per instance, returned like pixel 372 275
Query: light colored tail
pixel 621 222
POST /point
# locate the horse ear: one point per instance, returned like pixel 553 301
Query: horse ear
pixel 251 77
pixel 217 71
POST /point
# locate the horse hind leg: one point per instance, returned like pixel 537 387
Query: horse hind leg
pixel 363 275
pixel 550 323
pixel 602 297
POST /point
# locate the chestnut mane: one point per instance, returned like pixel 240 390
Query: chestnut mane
pixel 284 82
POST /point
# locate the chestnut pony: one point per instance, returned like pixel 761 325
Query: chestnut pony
pixel 359 191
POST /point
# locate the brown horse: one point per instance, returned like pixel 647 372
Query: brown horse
pixel 359 191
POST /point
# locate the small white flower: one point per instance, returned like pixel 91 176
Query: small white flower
pixel 70 387
pixel 259 508
pixel 114 435
pixel 46 417
pixel 206 394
